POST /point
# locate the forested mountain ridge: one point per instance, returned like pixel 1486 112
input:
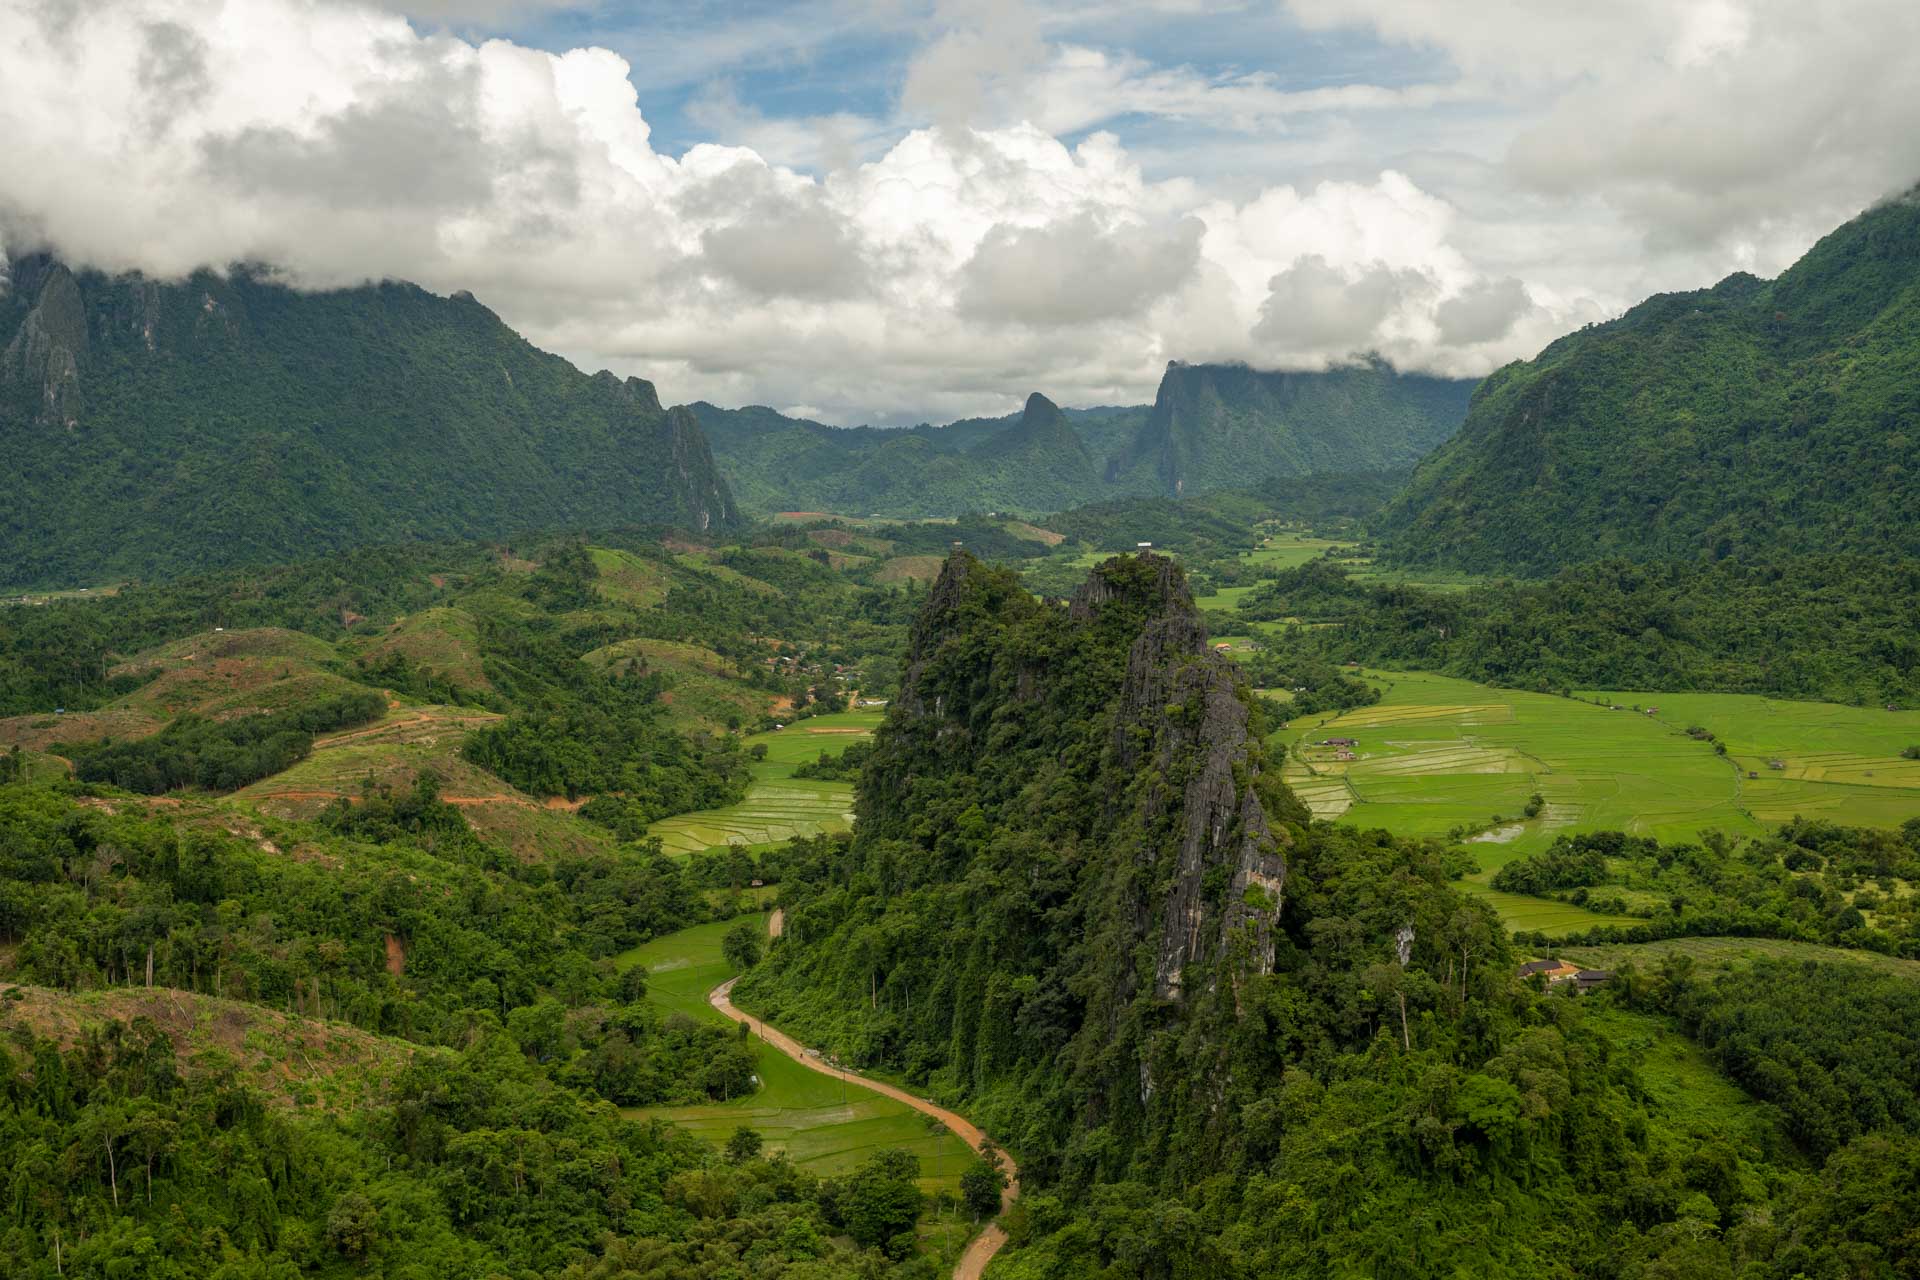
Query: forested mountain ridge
pixel 1035 461
pixel 1223 426
pixel 162 427
pixel 1212 427
pixel 1747 420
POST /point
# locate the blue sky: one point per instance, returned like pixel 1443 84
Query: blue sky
pixel 802 61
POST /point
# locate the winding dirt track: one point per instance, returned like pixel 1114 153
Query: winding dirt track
pixel 981 1249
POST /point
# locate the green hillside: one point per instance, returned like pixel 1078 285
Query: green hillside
pixel 158 428
pixel 1746 420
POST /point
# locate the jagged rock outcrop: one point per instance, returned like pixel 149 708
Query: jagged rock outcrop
pixel 1182 713
pixel 1180 769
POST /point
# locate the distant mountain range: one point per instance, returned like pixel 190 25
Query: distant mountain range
pixel 154 428
pixel 1749 420
pixel 1041 459
pixel 1211 427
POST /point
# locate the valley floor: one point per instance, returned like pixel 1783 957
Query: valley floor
pixel 1437 755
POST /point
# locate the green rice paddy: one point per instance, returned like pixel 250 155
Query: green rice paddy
pixel 778 806
pixel 823 1124
pixel 1836 762
pixel 1436 755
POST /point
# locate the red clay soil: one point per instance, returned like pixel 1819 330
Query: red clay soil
pixel 396 956
pixel 981 1250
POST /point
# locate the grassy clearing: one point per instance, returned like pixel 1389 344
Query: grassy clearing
pixel 706 692
pixel 778 806
pixel 1688 1100
pixel 629 579
pixel 232 673
pixel 443 643
pixel 295 1061
pixel 1524 912
pixel 903 568
pixel 705 562
pixel 1726 953
pixel 411 741
pixel 821 1123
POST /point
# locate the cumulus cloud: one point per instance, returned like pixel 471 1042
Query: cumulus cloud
pixel 1736 129
pixel 1484 312
pixel 984 49
pixel 1075 271
pixel 946 269
pixel 1313 309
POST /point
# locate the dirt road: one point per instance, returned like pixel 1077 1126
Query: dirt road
pixel 973 1263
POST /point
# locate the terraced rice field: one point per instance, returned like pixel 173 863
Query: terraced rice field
pixel 778 806
pixel 822 1124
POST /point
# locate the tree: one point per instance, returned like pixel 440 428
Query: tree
pixel 744 1145
pixel 742 945
pixel 633 984
pixel 352 1223
pixel 881 1202
pixel 981 1185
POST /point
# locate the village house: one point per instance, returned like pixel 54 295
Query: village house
pixel 1340 742
pixel 1558 971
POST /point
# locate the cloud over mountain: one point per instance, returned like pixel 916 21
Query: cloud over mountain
pixel 999 235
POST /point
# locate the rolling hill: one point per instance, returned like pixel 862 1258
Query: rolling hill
pixel 154 428
pixel 1744 421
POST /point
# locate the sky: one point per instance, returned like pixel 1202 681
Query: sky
pixel 891 211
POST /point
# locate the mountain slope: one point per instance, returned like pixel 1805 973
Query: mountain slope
pixel 1744 420
pixel 778 463
pixel 1222 426
pixel 161 427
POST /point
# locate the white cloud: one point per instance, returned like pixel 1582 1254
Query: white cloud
pixel 1728 132
pixel 1313 308
pixel 950 268
pixel 1075 271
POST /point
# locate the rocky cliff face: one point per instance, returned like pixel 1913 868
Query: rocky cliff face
pixel 42 361
pixel 1182 720
pixel 1178 770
